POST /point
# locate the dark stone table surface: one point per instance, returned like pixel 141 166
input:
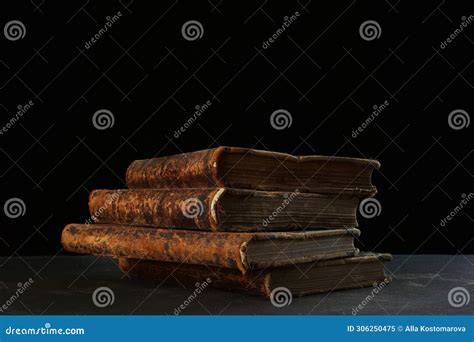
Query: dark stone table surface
pixel 65 284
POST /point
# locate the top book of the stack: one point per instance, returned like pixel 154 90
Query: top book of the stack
pixel 243 168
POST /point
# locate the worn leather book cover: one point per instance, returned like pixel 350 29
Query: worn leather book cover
pixel 304 279
pixel 244 168
pixel 223 209
pixel 240 251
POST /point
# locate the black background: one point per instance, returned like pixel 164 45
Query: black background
pixel 320 70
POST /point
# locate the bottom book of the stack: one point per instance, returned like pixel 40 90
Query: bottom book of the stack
pixel 254 262
pixel 364 270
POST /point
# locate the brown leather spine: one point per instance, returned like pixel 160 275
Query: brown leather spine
pixel 211 208
pixel 188 170
pixel 201 169
pixel 183 208
pixel 167 272
pixel 194 247
pixel 255 282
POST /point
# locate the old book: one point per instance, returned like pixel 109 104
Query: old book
pixel 245 168
pixel 242 251
pixel 223 209
pixel 304 279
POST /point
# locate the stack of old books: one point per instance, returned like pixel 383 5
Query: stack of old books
pixel 240 218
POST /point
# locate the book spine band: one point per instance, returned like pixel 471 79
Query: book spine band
pixel 182 246
pixel 185 208
pixel 189 170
